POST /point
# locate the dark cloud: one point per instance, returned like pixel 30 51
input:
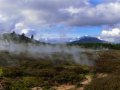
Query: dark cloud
pixel 38 13
pixel 60 12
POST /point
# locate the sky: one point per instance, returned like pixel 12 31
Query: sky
pixel 49 19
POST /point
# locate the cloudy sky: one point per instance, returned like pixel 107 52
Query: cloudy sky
pixel 62 18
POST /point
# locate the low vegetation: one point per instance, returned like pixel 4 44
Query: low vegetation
pixel 24 73
pixel 108 65
pixel 31 72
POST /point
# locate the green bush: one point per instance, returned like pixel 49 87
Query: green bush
pixel 12 72
pixel 11 84
pixel 24 83
pixel 68 77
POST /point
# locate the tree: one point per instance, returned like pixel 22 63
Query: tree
pixel 13 33
pixel 23 36
pixel 32 37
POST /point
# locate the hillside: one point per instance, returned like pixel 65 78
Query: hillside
pixel 17 38
pixel 94 43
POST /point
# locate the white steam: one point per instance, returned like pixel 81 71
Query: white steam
pixel 61 52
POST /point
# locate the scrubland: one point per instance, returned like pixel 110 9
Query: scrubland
pixel 24 72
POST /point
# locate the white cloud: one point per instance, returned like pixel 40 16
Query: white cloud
pixel 72 10
pixel 115 32
pixel 75 13
pixel 21 28
pixel 3 18
pixel 102 14
pixel 112 35
pixel 25 31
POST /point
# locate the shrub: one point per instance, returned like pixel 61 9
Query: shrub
pixel 68 77
pixel 12 72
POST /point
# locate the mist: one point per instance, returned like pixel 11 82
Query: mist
pixel 53 52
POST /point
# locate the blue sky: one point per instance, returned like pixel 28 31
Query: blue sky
pixel 61 18
pixel 71 31
pixel 95 2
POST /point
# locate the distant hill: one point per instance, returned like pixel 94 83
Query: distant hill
pixel 87 39
pixel 95 43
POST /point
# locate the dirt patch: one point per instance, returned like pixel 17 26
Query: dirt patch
pixel 73 87
pixel 65 87
pixel 85 82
